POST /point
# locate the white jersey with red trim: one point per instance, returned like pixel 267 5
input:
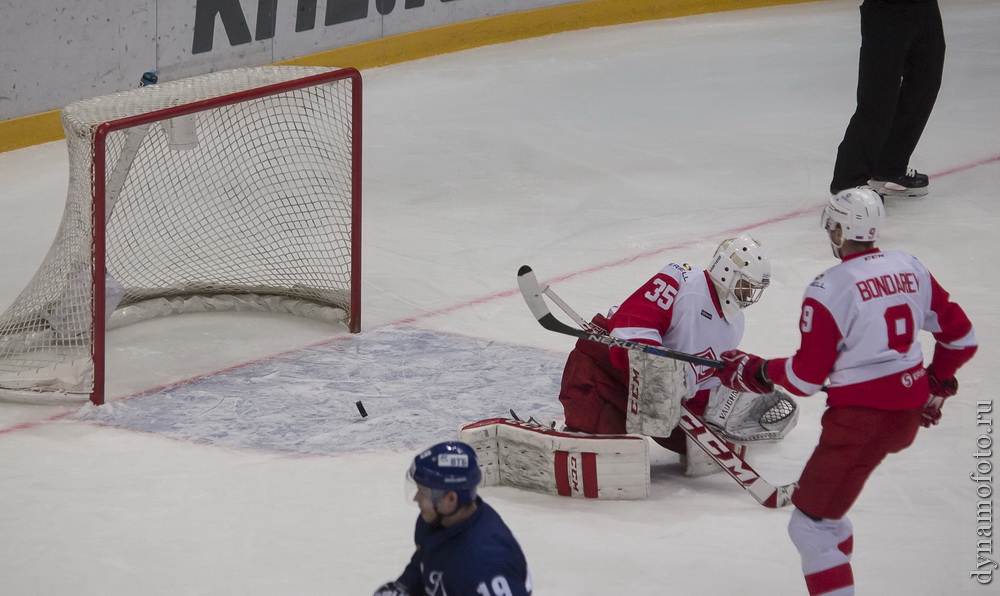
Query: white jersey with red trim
pixel 859 326
pixel 678 308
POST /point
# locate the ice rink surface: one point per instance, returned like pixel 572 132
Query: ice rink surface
pixel 231 459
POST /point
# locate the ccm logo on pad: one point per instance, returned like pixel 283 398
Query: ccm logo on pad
pixel 576 473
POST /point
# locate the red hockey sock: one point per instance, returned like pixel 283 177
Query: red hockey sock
pixel 829 581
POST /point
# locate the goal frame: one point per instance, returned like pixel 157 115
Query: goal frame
pixel 99 197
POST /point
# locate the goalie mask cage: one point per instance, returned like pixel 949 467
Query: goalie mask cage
pixel 231 190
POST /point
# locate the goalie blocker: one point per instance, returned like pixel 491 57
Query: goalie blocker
pixel 525 454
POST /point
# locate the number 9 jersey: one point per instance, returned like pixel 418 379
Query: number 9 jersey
pixel 859 326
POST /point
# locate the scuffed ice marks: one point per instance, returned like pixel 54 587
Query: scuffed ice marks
pixel 417 387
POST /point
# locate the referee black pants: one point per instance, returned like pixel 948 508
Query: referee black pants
pixel 899 75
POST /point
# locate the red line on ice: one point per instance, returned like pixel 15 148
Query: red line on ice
pixel 507 293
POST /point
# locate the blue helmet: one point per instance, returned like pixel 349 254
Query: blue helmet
pixel 446 467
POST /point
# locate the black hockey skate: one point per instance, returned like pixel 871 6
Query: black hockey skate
pixel 911 184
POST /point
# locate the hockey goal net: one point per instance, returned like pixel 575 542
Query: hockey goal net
pixel 227 191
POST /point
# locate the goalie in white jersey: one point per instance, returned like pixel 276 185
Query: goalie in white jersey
pixel 687 309
pixel 859 325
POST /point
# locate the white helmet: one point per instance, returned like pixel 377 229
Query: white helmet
pixel 739 259
pixel 859 212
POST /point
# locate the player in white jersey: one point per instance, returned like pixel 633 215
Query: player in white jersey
pixel 859 323
pixel 683 308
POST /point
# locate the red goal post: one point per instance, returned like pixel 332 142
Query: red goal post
pixel 233 190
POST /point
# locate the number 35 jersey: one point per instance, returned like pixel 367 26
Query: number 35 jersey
pixel 859 326
pixel 678 309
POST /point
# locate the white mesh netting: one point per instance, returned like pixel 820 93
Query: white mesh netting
pixel 252 200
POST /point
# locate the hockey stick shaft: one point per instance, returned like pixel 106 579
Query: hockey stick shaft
pixel 767 494
pixel 548 291
pixel 716 448
pixel 532 292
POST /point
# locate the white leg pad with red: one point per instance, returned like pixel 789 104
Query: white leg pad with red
pixel 535 457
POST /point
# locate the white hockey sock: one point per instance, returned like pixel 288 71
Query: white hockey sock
pixel 825 547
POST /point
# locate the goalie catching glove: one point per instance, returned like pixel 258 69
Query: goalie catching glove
pixel 749 417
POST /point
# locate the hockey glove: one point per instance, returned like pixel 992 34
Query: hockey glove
pixel 940 390
pixel 745 372
pixel 392 589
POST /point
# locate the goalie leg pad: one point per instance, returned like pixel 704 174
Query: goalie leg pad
pixel 698 463
pixel 535 457
pixel 656 387
pixel 749 417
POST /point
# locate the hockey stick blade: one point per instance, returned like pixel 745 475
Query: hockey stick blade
pixel 532 293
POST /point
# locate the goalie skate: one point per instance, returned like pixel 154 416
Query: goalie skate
pixel 697 462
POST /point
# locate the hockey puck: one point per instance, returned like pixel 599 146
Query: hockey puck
pixel 361 409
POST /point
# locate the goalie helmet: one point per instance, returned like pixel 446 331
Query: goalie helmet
pixel 741 271
pixel 858 211
pixel 446 467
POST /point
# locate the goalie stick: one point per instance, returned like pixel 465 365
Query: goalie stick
pixel 767 494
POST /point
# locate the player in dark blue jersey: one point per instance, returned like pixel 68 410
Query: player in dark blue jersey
pixel 463 547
